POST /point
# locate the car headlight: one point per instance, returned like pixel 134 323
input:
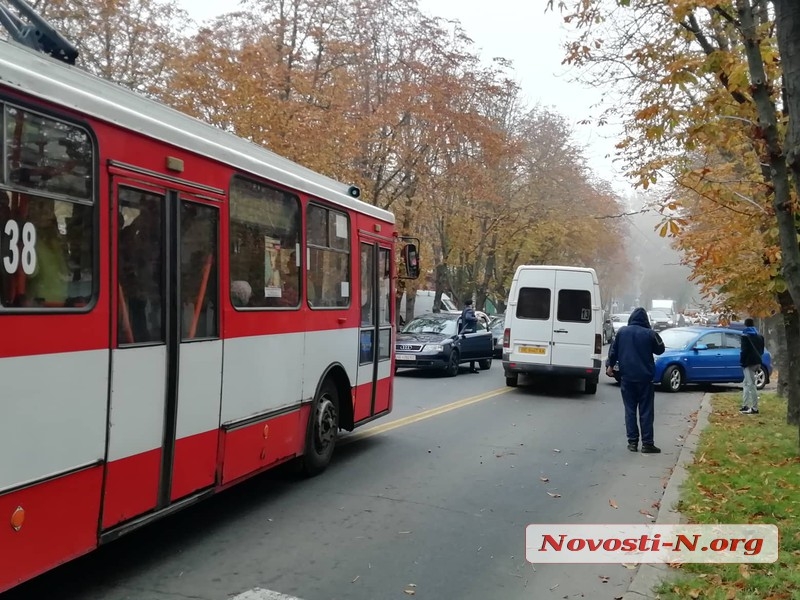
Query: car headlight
pixel 433 348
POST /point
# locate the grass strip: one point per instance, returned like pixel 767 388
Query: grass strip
pixel 746 470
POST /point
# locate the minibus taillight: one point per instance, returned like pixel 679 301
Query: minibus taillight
pixel 598 343
pixel 507 337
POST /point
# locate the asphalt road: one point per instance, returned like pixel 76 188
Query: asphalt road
pixel 433 500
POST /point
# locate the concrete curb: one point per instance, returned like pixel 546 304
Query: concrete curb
pixel 649 576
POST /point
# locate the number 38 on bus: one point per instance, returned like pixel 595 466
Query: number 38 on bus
pixel 180 309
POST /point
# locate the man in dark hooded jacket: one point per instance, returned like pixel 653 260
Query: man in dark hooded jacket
pixel 750 360
pixel 633 349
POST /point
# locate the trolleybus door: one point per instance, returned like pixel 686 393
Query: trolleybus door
pixel 166 358
pixel 375 336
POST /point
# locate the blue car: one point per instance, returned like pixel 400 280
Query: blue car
pixel 704 355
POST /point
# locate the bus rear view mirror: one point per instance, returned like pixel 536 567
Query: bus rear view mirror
pixel 411 260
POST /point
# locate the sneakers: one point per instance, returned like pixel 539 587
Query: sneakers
pixel 633 446
pixel 744 409
pixel 650 449
pixel 749 411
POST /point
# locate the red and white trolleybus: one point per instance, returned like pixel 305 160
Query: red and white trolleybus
pixel 180 309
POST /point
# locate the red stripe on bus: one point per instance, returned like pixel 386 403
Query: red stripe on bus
pixel 271 322
pixel 383 397
pixel 195 464
pixel 131 487
pixel 362 406
pixel 59 524
pixel 35 334
pixel 253 448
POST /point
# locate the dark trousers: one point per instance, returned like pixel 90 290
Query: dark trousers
pixel 639 396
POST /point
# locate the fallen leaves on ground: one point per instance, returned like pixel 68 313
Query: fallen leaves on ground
pixel 612 503
pixel 744 571
pixel 545 479
pixel 646 514
pixel 553 495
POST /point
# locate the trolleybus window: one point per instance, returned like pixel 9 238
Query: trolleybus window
pixel 199 306
pixel 141 267
pixel 46 213
pixel 328 237
pixel 367 276
pixel 265 246
pixel 384 280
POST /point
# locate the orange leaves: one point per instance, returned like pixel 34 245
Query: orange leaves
pixel 670 226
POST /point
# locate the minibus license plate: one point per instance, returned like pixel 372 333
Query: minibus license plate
pixel 533 350
pixel 405 357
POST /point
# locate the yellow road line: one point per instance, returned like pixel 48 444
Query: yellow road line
pixel 422 416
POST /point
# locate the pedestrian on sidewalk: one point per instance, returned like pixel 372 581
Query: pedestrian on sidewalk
pixel 750 360
pixel 633 349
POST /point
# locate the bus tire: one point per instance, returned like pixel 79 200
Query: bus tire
pixel 323 429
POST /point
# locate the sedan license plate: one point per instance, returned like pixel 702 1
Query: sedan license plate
pixel 405 357
pixel 533 350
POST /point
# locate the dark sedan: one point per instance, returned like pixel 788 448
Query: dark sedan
pixel 435 341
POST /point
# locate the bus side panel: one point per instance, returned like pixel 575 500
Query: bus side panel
pixel 252 448
pixel 59 523
pixel 53 423
pixel 262 375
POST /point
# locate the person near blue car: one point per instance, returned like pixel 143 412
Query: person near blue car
pixel 633 349
pixel 750 360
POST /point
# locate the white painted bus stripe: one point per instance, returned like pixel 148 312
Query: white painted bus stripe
pixel 260 594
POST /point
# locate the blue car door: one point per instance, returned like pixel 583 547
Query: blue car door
pixel 705 361
pixel 733 370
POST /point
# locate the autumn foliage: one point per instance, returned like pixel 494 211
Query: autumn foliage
pixel 711 105
pixel 382 96
pixel 692 124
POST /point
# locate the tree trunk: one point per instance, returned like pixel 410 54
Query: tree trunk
pixel 787 20
pixel 791 370
pixel 775 334
pixel 768 123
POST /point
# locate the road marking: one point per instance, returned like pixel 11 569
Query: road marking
pixel 433 412
pixel 260 594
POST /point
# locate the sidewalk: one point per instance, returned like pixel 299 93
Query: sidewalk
pixel 649 576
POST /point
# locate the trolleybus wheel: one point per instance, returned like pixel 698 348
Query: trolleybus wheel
pixel 323 429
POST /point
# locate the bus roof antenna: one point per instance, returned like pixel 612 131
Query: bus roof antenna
pixel 39 34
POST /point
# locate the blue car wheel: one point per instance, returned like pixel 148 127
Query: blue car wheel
pixel 761 378
pixel 672 381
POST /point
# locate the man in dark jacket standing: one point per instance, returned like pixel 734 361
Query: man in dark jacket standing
pixel 633 349
pixel 750 360
pixel 469 324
